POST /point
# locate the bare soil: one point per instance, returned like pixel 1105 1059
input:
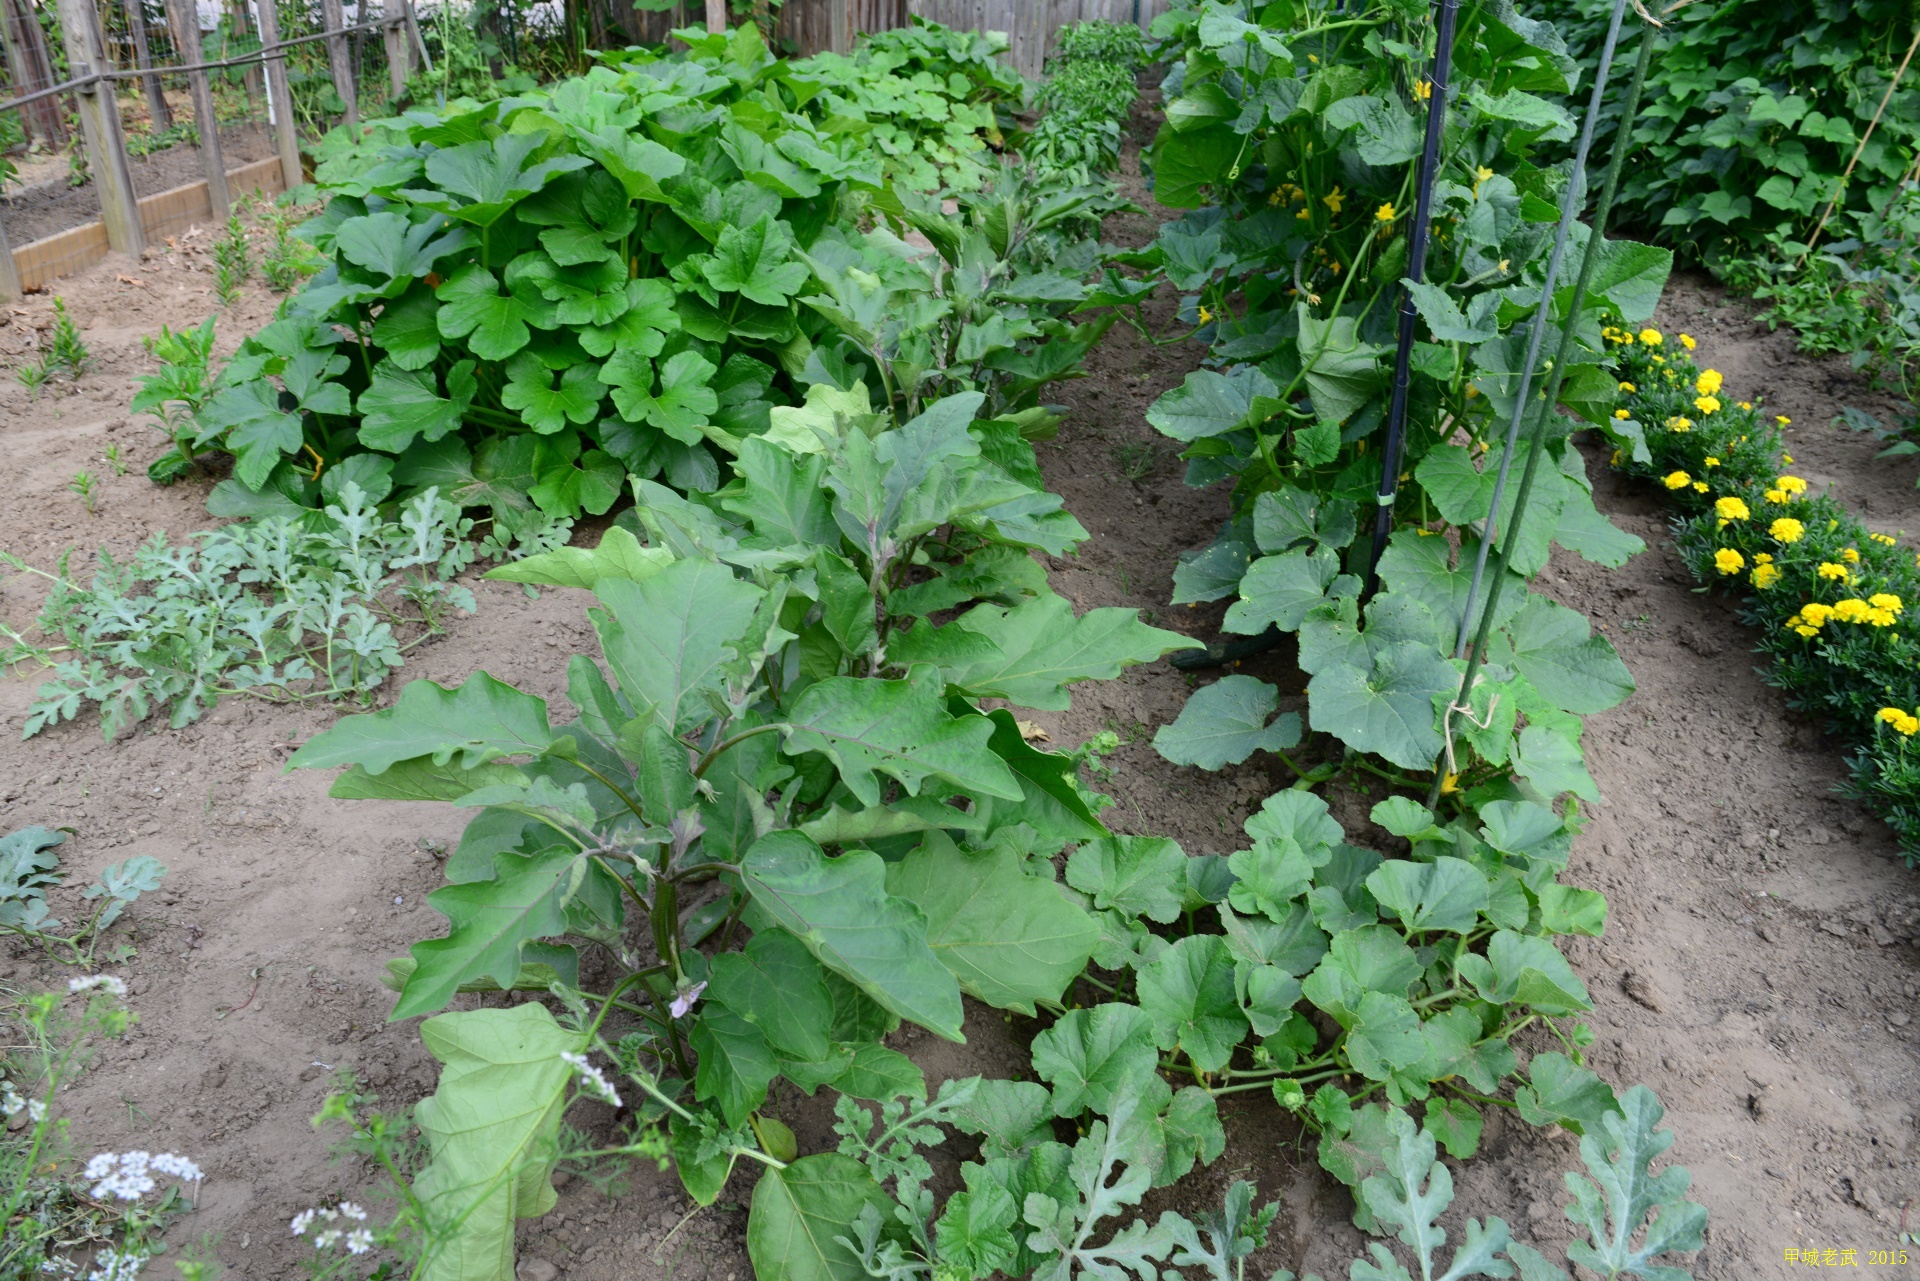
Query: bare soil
pixel 1760 970
pixel 47 203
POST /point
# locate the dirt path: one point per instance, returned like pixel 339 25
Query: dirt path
pixel 1758 915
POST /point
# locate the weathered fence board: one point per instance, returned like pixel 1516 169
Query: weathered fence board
pixel 1030 24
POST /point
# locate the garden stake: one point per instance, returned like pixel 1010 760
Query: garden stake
pixel 1420 233
pixel 1589 261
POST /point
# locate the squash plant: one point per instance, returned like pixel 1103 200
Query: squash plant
pixel 624 274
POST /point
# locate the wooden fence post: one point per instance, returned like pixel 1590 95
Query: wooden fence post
pixel 340 65
pixel 279 97
pixel 716 15
pixel 183 16
pixel 162 117
pixel 100 124
pixel 393 42
pixel 9 278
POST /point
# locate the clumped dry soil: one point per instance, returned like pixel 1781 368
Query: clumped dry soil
pixel 1759 969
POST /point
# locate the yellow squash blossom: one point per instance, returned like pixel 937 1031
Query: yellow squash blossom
pixel 1334 199
pixel 1729 561
pixel 1787 529
pixel 1384 213
pixel 1423 89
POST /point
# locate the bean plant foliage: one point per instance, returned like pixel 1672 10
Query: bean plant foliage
pixel 628 273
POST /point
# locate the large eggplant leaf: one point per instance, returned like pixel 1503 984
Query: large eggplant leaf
pixel 492 1128
pixel 900 728
pixel 1011 938
pixel 840 909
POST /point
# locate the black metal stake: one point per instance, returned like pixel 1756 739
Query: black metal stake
pixel 1421 232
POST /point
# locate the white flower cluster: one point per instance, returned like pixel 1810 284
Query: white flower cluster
pixel 128 1176
pixel 111 1265
pixel 592 1080
pixel 12 1105
pixel 105 982
pixel 357 1240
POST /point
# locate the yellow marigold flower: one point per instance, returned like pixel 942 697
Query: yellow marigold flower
pixel 1851 610
pixel 1729 561
pixel 1686 340
pixel 1659 360
pixel 1334 199
pixel 1762 558
pixel 1806 631
pixel 1628 387
pixel 1623 414
pixel 1707 404
pixel 1815 614
pixel 1711 461
pixel 1908 724
pixel 1651 337
pixel 1776 495
pixel 1828 569
pixel 1792 484
pixel 1851 556
pixel 1885 600
pixel 1784 421
pixel 1708 383
pixel 1731 508
pixel 1746 404
pixel 1785 458
pixel 1679 424
pixel 1881 617
pixel 1700 485
pixel 1887 539
pixel 1787 529
pixel 1765 576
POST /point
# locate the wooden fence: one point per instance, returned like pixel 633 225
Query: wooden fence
pixel 810 26
pixel 1030 23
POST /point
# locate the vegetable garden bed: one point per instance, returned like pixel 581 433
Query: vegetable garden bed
pixel 259 966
